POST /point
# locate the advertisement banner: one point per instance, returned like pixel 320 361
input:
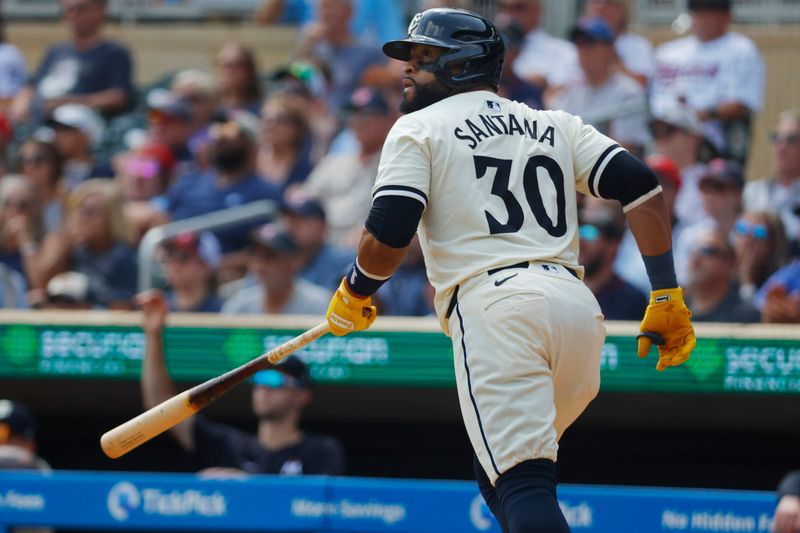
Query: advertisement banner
pixel 379 358
pixel 272 503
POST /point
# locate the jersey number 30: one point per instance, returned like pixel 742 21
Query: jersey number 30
pixel 533 195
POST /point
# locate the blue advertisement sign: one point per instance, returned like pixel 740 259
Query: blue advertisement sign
pixel 317 504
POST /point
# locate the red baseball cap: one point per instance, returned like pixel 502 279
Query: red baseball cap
pixel 666 168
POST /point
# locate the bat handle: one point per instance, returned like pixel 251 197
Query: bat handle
pixel 147 425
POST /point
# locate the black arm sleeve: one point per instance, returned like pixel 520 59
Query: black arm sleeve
pixel 628 180
pixel 790 484
pixel 393 220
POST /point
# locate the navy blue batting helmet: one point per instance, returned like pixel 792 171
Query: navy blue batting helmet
pixel 474 47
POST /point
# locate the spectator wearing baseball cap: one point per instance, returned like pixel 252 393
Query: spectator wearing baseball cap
pixel 274 262
pixel 721 186
pixel 18 429
pixel 343 182
pixel 635 52
pixel 278 399
pixel 170 121
pixel 78 131
pixel 190 263
pixel 605 97
pixel 322 263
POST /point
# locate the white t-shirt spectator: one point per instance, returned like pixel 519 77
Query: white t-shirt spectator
pixel 307 299
pixel 706 74
pixel 554 59
pixel 12 70
pixel 636 54
pixel 595 104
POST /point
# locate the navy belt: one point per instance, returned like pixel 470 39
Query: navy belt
pixel 522 264
pixel 526 264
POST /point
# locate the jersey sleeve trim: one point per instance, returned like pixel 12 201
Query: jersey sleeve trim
pixel 642 199
pixel 401 190
pixel 600 166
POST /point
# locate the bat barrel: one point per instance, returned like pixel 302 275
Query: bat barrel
pixel 153 422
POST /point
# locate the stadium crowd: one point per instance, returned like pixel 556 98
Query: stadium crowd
pixel 92 162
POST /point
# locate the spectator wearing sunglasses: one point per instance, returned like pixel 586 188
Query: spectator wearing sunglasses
pixel 711 290
pixel 41 164
pixel 190 263
pixel 760 244
pixel 780 193
pixel 600 234
pixel 279 397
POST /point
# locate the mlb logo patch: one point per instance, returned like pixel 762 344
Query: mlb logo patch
pixel 493 105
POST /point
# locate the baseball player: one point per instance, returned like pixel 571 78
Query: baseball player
pixel 491 184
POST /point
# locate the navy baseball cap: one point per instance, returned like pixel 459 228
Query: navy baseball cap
pixel 274 237
pixel 709 5
pixel 723 171
pixel 594 29
pixel 292 368
pixel 169 104
pixel 306 207
pixel 367 100
pixel 16 418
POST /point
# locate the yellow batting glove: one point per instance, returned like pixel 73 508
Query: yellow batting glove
pixel 666 323
pixel 348 312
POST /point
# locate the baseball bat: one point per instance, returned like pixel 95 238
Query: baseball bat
pixel 156 420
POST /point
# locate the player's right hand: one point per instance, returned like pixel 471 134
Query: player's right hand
pixel 666 322
pixel 348 312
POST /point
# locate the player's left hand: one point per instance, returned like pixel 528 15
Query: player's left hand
pixel 666 323
pixel 348 312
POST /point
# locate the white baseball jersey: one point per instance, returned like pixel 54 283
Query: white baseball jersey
pixel 498 180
